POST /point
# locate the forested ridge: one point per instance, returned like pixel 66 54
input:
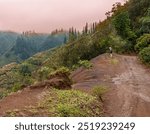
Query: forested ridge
pixel 15 47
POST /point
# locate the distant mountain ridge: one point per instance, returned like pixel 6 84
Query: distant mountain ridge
pixel 16 47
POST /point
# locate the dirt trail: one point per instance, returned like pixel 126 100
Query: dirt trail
pixel 128 82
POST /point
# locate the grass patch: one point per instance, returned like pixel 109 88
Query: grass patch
pixel 71 103
pixel 11 113
pixel 114 61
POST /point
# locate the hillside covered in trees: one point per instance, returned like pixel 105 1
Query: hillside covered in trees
pixel 126 29
pixel 16 47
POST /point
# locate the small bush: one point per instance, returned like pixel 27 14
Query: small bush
pixel 44 72
pixel 59 71
pixel 27 80
pixel 25 69
pixel 34 61
pixel 16 87
pixel 145 55
pixel 85 63
pixel 1 95
pixel 4 93
pixel 98 91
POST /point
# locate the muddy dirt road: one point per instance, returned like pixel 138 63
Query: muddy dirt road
pixel 127 80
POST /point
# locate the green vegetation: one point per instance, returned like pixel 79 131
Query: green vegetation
pixel 145 55
pixel 142 42
pixel 16 87
pixel 70 103
pixel 25 69
pixel 123 25
pixel 43 73
pixel 145 23
pixel 60 71
pixel 98 91
pixel 18 47
pixel 142 47
pixel 3 94
pixel 83 63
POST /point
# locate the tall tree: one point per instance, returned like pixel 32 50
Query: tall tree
pixel 86 28
pixel 122 25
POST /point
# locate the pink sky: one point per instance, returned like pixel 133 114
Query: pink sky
pixel 47 15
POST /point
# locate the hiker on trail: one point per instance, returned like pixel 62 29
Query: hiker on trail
pixel 110 49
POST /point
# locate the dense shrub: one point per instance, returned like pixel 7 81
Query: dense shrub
pixel 142 42
pixel 27 80
pixel 43 73
pixel 120 45
pixel 25 69
pixel 145 55
pixel 85 48
pixel 34 61
pixel 122 24
pixel 59 71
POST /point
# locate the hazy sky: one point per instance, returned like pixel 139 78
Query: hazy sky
pixel 47 15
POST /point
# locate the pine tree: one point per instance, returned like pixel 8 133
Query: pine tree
pixel 86 28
